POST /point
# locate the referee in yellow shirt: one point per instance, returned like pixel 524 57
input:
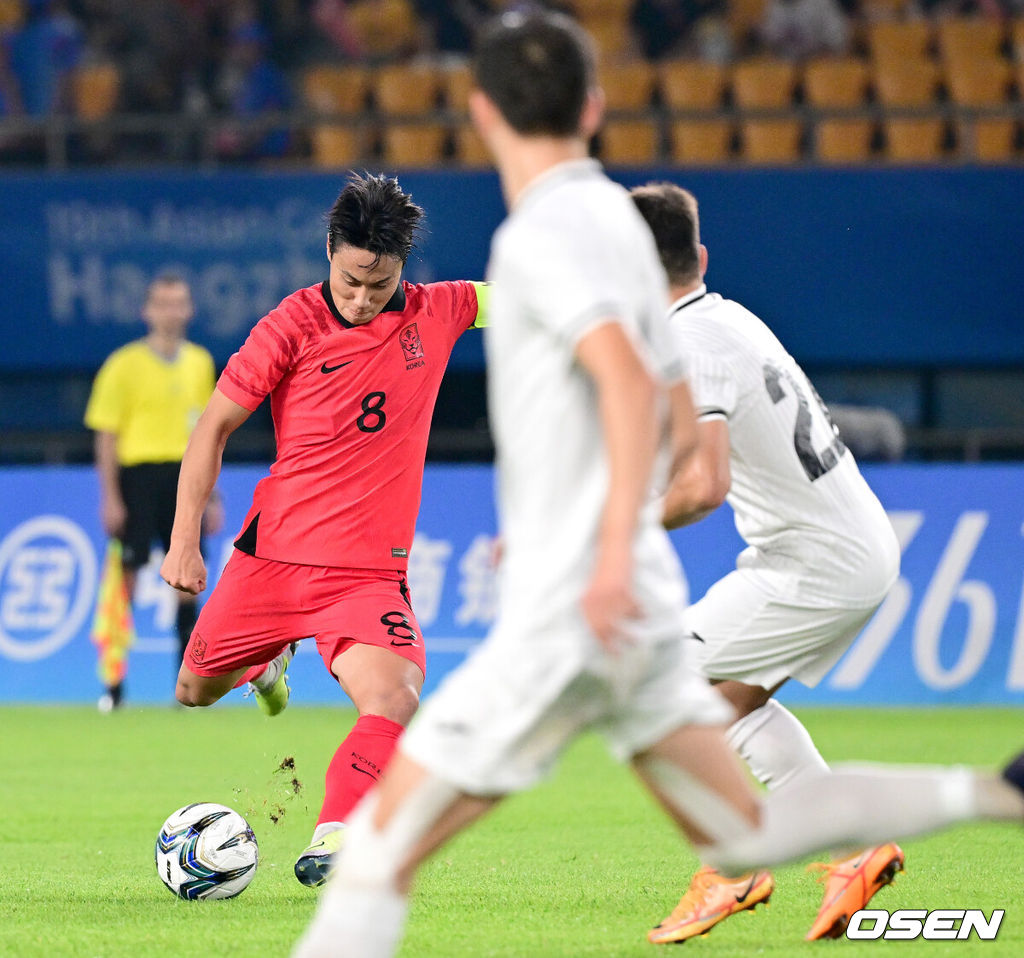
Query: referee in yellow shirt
pixel 144 403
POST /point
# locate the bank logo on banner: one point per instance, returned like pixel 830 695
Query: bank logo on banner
pixel 47 586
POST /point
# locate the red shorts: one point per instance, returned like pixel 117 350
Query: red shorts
pixel 259 606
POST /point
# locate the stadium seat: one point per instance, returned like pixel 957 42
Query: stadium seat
pixel 839 84
pixel 627 86
pixel 613 40
pixel 763 83
pixel 331 89
pixel 590 11
pixel 701 142
pixel 334 145
pixel 387 29
pixel 771 142
pixel 406 91
pixel 743 17
pixel 11 14
pixel 630 142
pixel 691 84
pixel 968 38
pixel 1017 42
pixel 766 83
pixel 413 144
pixel 469 148
pixel 895 40
pixel 95 90
pixel 903 85
pixel 456 82
pixel 979 82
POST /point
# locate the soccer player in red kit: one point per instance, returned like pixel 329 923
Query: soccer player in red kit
pixel 352 367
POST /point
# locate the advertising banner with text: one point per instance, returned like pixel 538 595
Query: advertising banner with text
pixel 950 632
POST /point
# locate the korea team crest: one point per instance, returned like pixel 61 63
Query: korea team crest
pixel 412 346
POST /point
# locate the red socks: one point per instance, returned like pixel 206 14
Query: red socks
pixel 357 765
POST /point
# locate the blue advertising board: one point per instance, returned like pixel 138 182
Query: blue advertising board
pixel 950 632
pixel 878 266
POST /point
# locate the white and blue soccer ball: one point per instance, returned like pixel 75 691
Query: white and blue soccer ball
pixel 205 850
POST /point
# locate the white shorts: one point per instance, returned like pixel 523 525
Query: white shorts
pixel 499 722
pixel 751 627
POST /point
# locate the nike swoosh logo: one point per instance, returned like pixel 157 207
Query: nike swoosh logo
pixel 330 369
pixel 359 768
pixel 749 889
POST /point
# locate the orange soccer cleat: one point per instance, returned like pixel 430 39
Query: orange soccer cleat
pixel 850 884
pixel 711 898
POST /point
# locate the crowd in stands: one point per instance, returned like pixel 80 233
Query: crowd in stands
pixel 231 60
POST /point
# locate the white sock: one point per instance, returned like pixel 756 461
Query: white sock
pixel 857 806
pixel 776 746
pixel 354 923
pixel 266 679
pixel 325 828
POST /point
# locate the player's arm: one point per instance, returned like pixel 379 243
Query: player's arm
pixel 112 508
pixel 183 566
pixel 627 394
pixel 700 484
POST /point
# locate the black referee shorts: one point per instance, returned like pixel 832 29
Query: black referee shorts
pixel 149 491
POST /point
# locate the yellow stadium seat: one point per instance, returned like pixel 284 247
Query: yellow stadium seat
pixel 895 40
pixel 11 14
pixel 743 17
pixel 836 82
pixel 469 148
pixel 982 81
pixel 913 140
pixel 906 83
pixel 456 84
pixel 334 145
pixel 843 140
pixel 771 142
pixel 963 38
pixel 388 29
pixel 333 89
pixel 701 142
pixel 612 38
pixel 903 84
pixel 766 83
pixel 414 144
pixel 691 84
pixel 628 86
pixel 95 90
pixel 630 142
pixel 763 83
pixel 833 84
pixel 405 90
pixel 1017 40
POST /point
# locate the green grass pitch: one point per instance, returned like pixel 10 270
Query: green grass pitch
pixel 581 866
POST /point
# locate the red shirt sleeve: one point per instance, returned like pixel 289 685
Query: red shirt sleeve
pixel 266 355
pixel 455 303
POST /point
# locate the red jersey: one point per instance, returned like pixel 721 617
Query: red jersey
pixel 352 407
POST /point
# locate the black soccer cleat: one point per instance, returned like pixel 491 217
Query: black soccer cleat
pixel 1014 773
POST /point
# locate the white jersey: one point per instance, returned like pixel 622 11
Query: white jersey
pixel 573 253
pixel 798 497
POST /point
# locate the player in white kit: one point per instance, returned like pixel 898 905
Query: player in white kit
pixel 583 388
pixel 821 553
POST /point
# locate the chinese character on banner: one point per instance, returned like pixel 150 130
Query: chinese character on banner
pixel 428 563
pixel 478 585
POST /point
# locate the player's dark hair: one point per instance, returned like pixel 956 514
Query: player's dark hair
pixel 671 213
pixel 373 213
pixel 536 66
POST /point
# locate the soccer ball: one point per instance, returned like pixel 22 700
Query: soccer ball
pixel 205 850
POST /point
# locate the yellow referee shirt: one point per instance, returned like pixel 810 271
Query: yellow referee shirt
pixel 150 403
